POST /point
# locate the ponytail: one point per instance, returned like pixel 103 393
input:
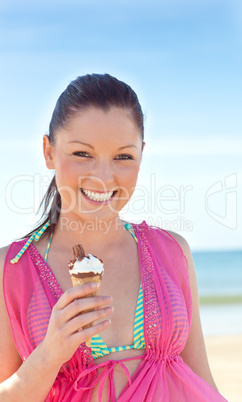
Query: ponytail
pixel 51 205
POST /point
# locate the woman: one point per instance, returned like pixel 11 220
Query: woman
pixel 149 350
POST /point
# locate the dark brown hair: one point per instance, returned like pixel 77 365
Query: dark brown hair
pixel 92 90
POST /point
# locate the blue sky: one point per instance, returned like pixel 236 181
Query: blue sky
pixel 183 58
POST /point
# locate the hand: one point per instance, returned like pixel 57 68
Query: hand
pixel 65 332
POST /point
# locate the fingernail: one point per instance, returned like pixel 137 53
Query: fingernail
pixel 94 285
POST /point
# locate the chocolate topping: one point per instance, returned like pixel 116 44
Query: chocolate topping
pixel 78 252
pixel 86 275
pixel 79 255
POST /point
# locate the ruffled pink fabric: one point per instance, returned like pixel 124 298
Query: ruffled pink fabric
pixel 31 291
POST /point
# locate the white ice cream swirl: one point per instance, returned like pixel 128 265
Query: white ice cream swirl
pixel 87 264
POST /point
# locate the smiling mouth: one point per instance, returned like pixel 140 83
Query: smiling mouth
pixel 98 197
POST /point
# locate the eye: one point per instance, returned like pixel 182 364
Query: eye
pixel 82 154
pixel 124 157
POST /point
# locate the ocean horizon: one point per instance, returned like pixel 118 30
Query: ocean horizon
pixel 219 276
pixel 219 273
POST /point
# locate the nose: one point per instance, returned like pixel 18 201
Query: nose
pixel 103 173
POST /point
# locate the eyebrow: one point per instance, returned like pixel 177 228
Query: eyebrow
pixel 128 146
pixel 89 145
pixel 80 142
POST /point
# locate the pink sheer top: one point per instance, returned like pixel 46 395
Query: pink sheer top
pixel 31 290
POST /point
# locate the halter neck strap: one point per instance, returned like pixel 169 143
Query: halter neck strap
pixel 37 235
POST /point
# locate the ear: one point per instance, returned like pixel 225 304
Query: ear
pixel 48 152
pixel 143 145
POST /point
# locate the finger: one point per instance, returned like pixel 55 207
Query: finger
pixel 85 334
pixel 84 319
pixel 78 306
pixel 76 293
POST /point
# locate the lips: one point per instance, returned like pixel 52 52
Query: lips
pixel 98 197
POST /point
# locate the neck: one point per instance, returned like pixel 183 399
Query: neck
pixel 89 232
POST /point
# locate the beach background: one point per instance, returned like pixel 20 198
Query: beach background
pixel 184 60
pixel 219 276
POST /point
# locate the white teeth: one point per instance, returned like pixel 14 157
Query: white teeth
pixel 98 196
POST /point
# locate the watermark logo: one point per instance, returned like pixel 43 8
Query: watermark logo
pixel 150 199
pixel 225 192
pixel 163 206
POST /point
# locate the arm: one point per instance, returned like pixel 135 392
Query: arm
pixel 32 379
pixel 10 358
pixel 194 353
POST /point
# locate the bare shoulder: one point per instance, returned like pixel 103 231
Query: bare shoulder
pixel 8 351
pixel 3 253
pixel 188 254
pixel 182 243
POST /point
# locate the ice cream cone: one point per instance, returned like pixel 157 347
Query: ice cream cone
pixel 84 269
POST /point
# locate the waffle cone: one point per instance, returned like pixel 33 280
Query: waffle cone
pixel 81 281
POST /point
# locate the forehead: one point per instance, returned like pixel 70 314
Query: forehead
pixel 94 124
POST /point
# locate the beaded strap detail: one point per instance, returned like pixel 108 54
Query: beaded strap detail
pixel 151 306
pixel 36 236
pixel 128 227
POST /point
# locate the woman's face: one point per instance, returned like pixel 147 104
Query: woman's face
pixel 96 158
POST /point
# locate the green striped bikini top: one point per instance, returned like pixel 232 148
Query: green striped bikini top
pixel 98 346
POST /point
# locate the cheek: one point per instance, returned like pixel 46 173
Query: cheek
pixel 128 181
pixel 66 172
pixel 67 183
pixel 64 178
pixel 131 175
